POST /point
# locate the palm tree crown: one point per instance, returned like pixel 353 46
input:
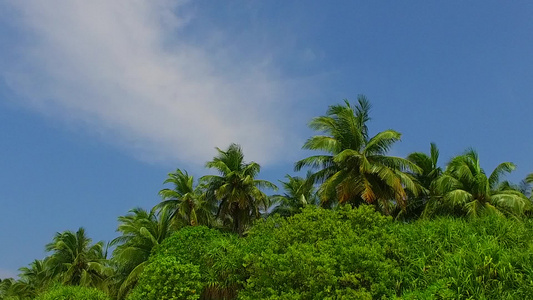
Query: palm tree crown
pixel 34 279
pixel 236 189
pixel 429 170
pixel 141 232
pixel 186 201
pixel 299 192
pixel 429 173
pixel 75 261
pixel 466 189
pixel 356 168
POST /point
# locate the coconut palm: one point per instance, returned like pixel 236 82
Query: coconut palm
pixel 34 279
pixel 466 189
pixel 141 232
pixel 11 289
pixel 299 192
pixel 355 168
pixel 75 261
pixel 186 201
pixel 6 288
pixel 429 172
pixel 235 188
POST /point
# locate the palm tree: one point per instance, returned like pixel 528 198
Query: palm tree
pixel 186 201
pixel 236 189
pixel 141 232
pixel 33 279
pixel 429 173
pixel 75 261
pixel 299 192
pixel 466 189
pixel 355 168
pixel 6 288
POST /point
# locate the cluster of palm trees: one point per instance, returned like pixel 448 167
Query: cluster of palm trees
pixel 355 169
pixel 352 168
pixel 74 260
pixel 230 201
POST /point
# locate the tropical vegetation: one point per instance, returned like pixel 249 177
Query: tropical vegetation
pixel 358 224
pixel 236 189
pixel 465 189
pixel 356 168
pixel 141 232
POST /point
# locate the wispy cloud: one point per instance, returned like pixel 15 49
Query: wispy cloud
pixel 123 69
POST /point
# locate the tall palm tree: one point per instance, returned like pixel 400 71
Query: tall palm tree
pixel 236 189
pixel 75 261
pixel 355 168
pixel 299 192
pixel 141 232
pixel 186 201
pixel 466 189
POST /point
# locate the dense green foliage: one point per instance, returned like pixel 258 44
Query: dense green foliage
pixel 350 254
pixel 141 232
pixel 322 254
pixel 451 258
pixel 358 254
pixel 361 225
pixel 168 278
pixel 73 293
pixel 206 263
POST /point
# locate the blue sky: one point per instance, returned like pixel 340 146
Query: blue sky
pixel 99 100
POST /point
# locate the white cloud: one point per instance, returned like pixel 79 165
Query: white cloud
pixel 123 69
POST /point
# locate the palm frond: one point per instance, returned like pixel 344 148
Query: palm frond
pixel 382 142
pixel 505 167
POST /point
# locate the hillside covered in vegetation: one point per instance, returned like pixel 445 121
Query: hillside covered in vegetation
pixel 361 224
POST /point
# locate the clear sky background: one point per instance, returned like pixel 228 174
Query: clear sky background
pixel 100 99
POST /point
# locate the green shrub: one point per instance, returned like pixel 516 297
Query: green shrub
pixel 195 262
pixel 167 278
pixel 322 254
pixel 61 292
pixel 346 254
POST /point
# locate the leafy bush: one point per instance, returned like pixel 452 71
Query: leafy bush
pixel 322 254
pixel 167 278
pixel 195 262
pixel 346 254
pixel 61 292
pixel 359 254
